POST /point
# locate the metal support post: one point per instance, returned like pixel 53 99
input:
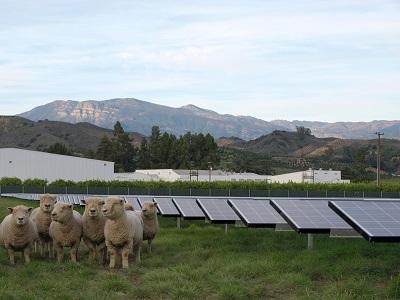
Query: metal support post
pixel 310 241
pixel 178 222
pixel 226 228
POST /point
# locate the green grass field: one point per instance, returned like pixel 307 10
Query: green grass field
pixel 200 261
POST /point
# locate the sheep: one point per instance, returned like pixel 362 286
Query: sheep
pixel 123 231
pixel 93 227
pixel 18 232
pixel 150 222
pixel 41 216
pixel 65 230
pixel 129 206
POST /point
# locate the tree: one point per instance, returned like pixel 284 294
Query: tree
pixel 59 148
pixel 144 159
pixel 105 149
pixel 123 150
pixel 302 131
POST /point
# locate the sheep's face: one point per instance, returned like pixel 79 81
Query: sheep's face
pixel 20 214
pixel 129 206
pixel 149 208
pixel 47 203
pixel 93 206
pixel 113 207
pixel 62 212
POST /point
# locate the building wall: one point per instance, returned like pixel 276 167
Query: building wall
pixel 163 174
pixel 289 177
pixel 26 164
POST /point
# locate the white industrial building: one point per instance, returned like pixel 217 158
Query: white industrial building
pixel 198 175
pixel 27 164
pixel 310 176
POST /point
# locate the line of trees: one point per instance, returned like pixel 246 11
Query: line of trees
pixel 159 152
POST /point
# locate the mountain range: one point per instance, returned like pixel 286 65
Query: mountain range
pixel 139 116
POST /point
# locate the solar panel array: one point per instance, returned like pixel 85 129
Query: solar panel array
pixel 217 210
pixel 133 201
pixel 376 221
pixel 142 199
pixel 188 208
pixel 309 216
pixel 256 213
pixel 166 207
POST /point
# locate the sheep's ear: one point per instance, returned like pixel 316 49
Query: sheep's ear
pixel 55 201
pixel 101 202
pixel 70 206
pixel 10 210
pixel 122 201
pixel 30 209
pixel 155 203
pixel 83 201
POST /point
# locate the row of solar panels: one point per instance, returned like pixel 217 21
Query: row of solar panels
pixel 374 220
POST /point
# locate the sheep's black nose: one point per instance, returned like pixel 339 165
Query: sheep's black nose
pixel 93 210
pixel 53 214
pixel 104 210
pixel 47 205
pixel 20 219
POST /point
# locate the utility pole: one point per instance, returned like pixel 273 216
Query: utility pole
pixel 209 171
pixel 378 158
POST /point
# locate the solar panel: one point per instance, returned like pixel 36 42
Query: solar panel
pixel 134 202
pixel 188 208
pixel 217 210
pixel 166 207
pixel 142 199
pixel 376 221
pixel 309 216
pixel 256 213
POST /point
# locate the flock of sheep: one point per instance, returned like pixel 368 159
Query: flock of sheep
pixel 108 226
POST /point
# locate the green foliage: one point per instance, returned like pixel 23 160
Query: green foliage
pixel 165 151
pixel 303 131
pixel 10 181
pixel 59 148
pixel 118 149
pixel 35 182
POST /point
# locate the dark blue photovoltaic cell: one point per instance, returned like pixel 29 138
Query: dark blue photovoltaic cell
pixel 377 221
pixel 217 210
pixel 188 208
pixel 309 216
pixel 256 213
pixel 166 207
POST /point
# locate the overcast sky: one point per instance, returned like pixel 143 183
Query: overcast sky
pixel 306 60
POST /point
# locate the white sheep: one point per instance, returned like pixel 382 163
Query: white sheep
pixel 18 232
pixel 123 231
pixel 150 222
pixel 93 227
pixel 65 230
pixel 41 216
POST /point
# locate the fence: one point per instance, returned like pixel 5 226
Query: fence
pixel 196 192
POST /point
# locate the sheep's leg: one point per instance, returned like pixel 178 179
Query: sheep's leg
pixel 27 252
pixel 60 251
pixel 50 248
pixel 92 249
pixel 103 251
pixel 113 253
pixel 35 246
pixel 11 255
pixel 41 247
pixel 125 256
pixel 136 252
pixel 74 252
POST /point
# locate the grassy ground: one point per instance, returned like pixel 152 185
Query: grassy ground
pixel 200 261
